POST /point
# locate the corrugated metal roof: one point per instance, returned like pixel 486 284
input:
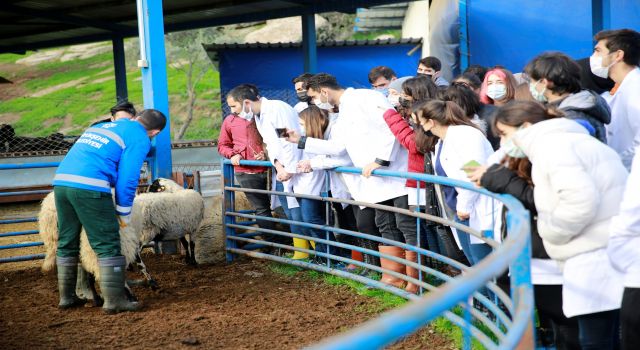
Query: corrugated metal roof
pixel 36 24
pixel 332 43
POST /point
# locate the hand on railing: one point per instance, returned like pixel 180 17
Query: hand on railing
pixel 369 168
pixel 235 160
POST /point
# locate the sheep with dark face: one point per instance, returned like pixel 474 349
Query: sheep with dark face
pixel 168 212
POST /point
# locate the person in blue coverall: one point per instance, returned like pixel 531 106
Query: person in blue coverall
pixel 106 156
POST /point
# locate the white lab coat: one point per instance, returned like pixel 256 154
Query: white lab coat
pixel 274 115
pixel 362 133
pixel 623 133
pixel 300 106
pixel 624 240
pixel 337 182
pixel 462 144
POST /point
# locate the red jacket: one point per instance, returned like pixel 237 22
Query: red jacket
pixel 405 135
pixel 239 136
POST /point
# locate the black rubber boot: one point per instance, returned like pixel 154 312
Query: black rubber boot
pixel 112 279
pixel 67 273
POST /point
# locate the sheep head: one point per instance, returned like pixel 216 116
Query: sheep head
pixel 164 185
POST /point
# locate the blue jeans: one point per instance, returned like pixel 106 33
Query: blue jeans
pixel 473 252
pixel 314 212
pixel 294 214
pixel 465 240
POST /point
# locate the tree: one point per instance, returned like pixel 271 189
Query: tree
pixel 186 54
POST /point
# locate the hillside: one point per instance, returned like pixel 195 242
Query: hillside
pixel 67 93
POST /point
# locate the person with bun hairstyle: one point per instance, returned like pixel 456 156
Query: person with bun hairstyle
pixel 456 141
pixel 579 183
pixel 513 176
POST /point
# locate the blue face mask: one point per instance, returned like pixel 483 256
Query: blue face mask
pixel 383 90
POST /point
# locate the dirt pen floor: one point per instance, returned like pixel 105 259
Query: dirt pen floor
pixel 244 305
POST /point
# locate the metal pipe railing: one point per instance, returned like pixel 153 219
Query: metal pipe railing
pixel 511 316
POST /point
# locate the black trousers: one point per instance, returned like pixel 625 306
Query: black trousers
pixel 398 227
pixel 549 304
pixel 366 223
pixel 261 202
pixel 630 318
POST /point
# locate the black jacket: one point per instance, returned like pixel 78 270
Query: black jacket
pixel 499 179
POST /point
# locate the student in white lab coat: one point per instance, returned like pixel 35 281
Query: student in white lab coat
pixel 617 55
pixel 362 133
pixel 314 122
pixel 457 141
pixel 624 253
pixel 349 217
pixel 270 115
pixel 579 184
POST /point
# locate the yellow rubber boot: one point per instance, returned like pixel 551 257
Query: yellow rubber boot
pixel 303 244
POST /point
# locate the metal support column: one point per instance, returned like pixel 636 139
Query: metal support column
pixel 309 47
pixel 120 68
pixel 464 36
pixel 153 64
pixel 600 15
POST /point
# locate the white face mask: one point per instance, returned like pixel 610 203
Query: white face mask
pixel 538 96
pixel 497 91
pixel 323 105
pixel 394 100
pixel 596 66
pixel 246 115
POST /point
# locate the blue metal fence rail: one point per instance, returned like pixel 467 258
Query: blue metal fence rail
pixel 28 257
pixel 508 323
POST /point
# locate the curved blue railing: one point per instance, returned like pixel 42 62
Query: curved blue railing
pixel 508 319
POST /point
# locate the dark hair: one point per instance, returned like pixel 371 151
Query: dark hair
pixel 627 40
pixel 316 121
pixel 123 106
pixel 516 113
pixel 464 97
pixel 323 80
pixel 523 93
pixel 558 69
pixel 381 71
pixel 244 92
pixel 420 88
pixel 444 113
pixel 477 70
pixel 152 119
pixel 302 78
pixel 472 79
pixel 431 62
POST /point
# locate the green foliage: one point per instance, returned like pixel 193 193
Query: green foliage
pixel 72 109
pixel 374 34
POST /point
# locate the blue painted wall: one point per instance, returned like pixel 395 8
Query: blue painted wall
pixel 272 69
pixel 511 32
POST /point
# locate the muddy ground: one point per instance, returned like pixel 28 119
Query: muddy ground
pixel 244 305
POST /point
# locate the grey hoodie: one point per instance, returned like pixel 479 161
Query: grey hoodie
pixel 589 106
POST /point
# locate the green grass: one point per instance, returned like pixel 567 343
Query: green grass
pixel 88 101
pixel 384 301
pixel 374 34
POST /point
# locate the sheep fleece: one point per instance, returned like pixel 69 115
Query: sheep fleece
pixel 173 214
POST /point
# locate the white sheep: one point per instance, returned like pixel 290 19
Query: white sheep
pixel 168 212
pixel 164 223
